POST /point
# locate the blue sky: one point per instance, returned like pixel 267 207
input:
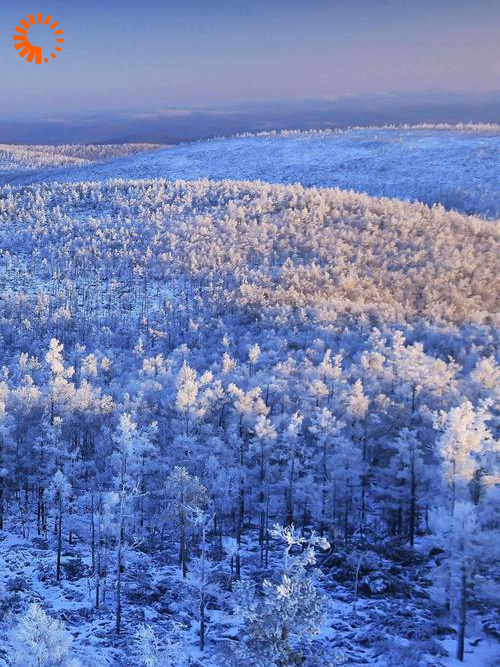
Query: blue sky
pixel 153 54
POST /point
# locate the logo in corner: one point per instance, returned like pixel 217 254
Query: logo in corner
pixel 24 46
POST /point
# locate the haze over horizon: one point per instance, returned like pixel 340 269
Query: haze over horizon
pixel 151 71
pixel 174 125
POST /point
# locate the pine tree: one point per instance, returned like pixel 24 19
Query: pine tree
pixel 285 610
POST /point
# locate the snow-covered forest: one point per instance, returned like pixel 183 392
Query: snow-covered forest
pixel 456 167
pixel 245 424
pixel 15 157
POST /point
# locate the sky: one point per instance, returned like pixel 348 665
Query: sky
pixel 160 56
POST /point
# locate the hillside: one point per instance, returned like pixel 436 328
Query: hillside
pixel 186 365
pixel 457 167
pixel 26 161
pixel 340 254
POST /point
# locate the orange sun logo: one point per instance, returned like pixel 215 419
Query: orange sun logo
pixel 27 49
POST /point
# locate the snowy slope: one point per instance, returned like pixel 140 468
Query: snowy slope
pixel 17 160
pixel 459 170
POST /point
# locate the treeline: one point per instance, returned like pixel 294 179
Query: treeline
pixel 24 157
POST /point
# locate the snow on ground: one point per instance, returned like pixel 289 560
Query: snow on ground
pixel 486 653
pixel 458 169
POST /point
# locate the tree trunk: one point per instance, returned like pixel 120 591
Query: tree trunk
pixel 119 558
pixel 59 540
pixel 119 593
pixel 39 511
pixel 119 584
pixel 364 478
pixel 266 559
pixel 98 578
pixel 2 480
pixel 413 503
pixel 202 591
pixel 289 494
pixel 92 529
pixel 239 528
pixel 183 551
pixel 462 614
pixel 322 525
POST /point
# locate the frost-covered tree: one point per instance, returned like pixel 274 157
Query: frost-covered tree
pixel 185 497
pixel 153 650
pixel 463 445
pixel 325 428
pixel 147 646
pixel 61 490
pixel 43 641
pixel 131 445
pixel 284 610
